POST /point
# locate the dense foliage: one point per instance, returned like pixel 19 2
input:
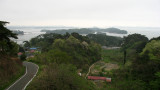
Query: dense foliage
pixel 142 69
pixel 74 49
pixel 10 65
pixel 133 40
pixel 5 34
pixel 105 40
pixel 60 61
pixel 60 77
pixel 10 68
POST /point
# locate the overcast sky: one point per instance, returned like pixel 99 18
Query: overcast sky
pixel 81 13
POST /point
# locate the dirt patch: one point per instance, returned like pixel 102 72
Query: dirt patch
pixel 110 66
pixel 102 66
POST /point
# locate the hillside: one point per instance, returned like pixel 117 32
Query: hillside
pixel 10 66
pixel 10 70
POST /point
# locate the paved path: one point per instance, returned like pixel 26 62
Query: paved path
pixel 31 71
pixel 90 69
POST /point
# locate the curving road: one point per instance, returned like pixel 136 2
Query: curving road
pixel 31 71
pixel 89 70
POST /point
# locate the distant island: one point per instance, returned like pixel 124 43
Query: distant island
pixel 18 32
pixel 87 31
pixel 114 30
pixel 63 31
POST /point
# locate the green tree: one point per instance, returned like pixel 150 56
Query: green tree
pixel 23 57
pixel 130 40
pixel 59 57
pixel 27 44
pixel 60 77
pixel 5 35
pixel 153 48
pixel 105 40
pixel 155 85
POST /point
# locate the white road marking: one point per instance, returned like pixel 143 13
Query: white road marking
pixel 23 76
pixel 32 78
pixel 18 79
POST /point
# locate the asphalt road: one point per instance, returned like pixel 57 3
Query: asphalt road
pixel 31 71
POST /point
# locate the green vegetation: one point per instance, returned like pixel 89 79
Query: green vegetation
pixel 112 55
pixel 135 41
pixel 141 70
pixel 152 49
pixel 58 77
pixel 65 54
pixel 10 66
pixel 64 31
pixel 105 40
pixel 10 70
pixel 69 48
pixel 114 30
pixel 5 34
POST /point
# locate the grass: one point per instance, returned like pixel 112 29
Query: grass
pixel 109 57
pixel 38 73
pixel 112 56
pixel 13 79
pixel 120 77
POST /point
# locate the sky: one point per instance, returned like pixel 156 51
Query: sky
pixel 81 13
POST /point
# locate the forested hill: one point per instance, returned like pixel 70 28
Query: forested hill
pixel 87 31
pixel 61 57
pixel 72 48
pixel 110 30
pixel 106 40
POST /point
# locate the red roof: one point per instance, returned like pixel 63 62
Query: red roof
pixel 32 51
pixel 20 53
pixel 99 78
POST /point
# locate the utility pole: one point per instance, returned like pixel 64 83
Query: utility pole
pixel 124 57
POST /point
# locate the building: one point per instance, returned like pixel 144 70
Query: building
pixel 99 78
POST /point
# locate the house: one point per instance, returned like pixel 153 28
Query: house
pixel 99 78
pixel 20 53
pixel 33 48
pixel 32 51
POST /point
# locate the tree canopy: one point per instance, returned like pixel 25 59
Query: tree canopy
pixel 105 40
pixel 133 39
pixel 5 37
pixel 153 50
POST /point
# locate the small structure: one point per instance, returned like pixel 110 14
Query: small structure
pixel 99 78
pixel 32 51
pixel 20 53
pixel 79 74
pixel 33 48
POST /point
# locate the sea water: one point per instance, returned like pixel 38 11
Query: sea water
pixel 31 32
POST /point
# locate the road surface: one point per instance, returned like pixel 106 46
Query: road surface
pixel 31 71
pixel 90 69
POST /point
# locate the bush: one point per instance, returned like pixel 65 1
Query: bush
pixel 23 57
